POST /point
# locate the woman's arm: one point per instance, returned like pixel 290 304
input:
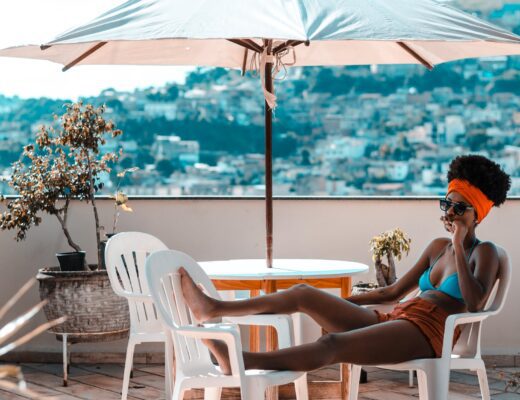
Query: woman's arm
pixel 404 285
pixel 475 286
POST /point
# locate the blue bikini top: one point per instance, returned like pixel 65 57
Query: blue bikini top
pixel 450 285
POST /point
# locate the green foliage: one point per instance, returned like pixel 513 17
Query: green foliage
pixel 32 110
pixel 165 168
pixel 203 76
pixel 221 136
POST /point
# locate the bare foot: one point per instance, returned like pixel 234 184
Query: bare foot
pixel 219 350
pixel 200 305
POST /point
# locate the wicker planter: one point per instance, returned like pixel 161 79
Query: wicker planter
pixel 95 313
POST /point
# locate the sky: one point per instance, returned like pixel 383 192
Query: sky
pixel 38 21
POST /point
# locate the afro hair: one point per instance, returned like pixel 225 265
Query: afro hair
pixel 482 173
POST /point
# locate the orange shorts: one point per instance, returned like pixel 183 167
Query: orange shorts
pixel 428 317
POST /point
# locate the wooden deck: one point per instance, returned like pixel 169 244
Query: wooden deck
pixel 103 382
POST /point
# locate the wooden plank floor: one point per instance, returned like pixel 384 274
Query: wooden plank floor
pixel 103 382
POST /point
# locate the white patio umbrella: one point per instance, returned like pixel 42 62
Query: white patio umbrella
pixel 269 34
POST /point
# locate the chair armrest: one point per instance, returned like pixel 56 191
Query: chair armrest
pixel 137 296
pixel 281 322
pixel 453 321
pixel 227 333
pixel 210 331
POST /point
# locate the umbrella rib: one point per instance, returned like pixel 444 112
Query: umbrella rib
pixel 255 45
pixel 83 56
pixel 415 55
pixel 244 61
pixel 248 44
pixel 288 43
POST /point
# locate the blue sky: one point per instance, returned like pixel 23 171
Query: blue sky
pixel 37 21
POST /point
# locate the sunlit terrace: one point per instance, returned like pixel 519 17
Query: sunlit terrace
pixel 226 228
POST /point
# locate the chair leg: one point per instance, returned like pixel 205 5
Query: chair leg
pixel 169 368
pixel 301 388
pixel 128 368
pixel 212 393
pixel 178 391
pixel 434 382
pixel 355 373
pixel 483 383
pixel 410 378
pixel 252 392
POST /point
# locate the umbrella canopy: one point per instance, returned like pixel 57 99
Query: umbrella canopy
pixel 338 32
pixel 267 35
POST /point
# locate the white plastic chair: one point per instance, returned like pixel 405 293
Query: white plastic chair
pixel 433 374
pixel 125 255
pixel 193 366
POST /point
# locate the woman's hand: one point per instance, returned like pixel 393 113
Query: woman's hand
pixel 459 232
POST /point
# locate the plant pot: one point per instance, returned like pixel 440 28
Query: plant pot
pixel 103 245
pixel 94 312
pixel 71 261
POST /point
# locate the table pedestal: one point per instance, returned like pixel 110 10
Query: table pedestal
pixel 271 286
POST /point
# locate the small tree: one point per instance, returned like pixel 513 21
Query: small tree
pixel 63 164
pixel 390 244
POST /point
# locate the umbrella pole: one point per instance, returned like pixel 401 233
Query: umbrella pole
pixel 268 165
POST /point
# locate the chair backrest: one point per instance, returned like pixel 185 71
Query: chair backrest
pixel 497 297
pixel 125 256
pixel 468 344
pixel 165 286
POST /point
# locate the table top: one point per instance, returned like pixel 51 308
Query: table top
pixel 256 269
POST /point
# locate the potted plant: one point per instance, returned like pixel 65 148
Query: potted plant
pixel 390 244
pixel 65 163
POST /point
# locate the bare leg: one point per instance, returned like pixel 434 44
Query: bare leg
pixel 332 313
pixel 385 343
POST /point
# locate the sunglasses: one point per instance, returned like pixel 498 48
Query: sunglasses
pixel 458 208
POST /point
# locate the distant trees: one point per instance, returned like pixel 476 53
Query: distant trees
pixel 143 157
pixel 204 76
pixel 165 168
pixel 115 104
pixel 343 82
pixel 477 141
pixel 220 135
pixel 33 110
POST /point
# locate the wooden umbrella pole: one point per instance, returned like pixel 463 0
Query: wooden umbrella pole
pixel 269 161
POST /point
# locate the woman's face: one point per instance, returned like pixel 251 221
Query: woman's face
pixel 458 201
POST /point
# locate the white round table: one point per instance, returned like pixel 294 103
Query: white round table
pixel 253 275
pixel 283 268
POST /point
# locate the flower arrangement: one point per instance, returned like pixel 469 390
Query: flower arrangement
pixel 391 244
pixel 63 164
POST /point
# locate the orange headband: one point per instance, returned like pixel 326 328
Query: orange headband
pixel 474 195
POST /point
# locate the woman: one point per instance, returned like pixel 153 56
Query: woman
pixel 454 274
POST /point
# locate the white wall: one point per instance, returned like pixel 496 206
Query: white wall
pixel 226 228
